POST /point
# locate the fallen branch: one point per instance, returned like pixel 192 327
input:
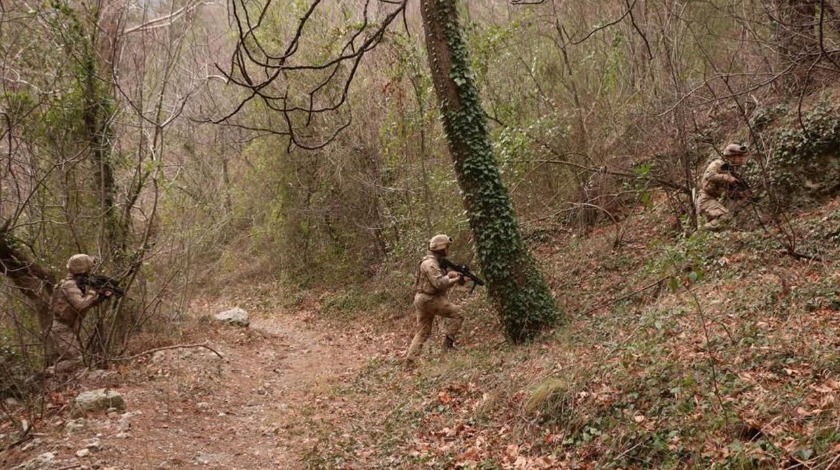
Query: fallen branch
pixel 805 256
pixel 623 297
pixel 164 348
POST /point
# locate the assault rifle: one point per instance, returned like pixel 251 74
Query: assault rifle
pixel 99 284
pixel 465 272
pixel 740 189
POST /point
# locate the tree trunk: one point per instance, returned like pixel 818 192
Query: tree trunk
pixel 98 107
pixel 795 34
pixel 33 281
pixel 516 286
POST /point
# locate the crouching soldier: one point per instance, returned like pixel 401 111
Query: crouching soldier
pixel 719 176
pixel 70 302
pixel 430 299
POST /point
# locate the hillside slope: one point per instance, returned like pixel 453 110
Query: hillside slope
pixel 716 350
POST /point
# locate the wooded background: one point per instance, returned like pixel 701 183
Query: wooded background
pixel 124 134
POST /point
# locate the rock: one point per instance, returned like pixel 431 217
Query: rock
pixel 82 453
pixel 99 374
pixel 45 460
pixel 204 458
pixel 31 445
pixel 93 445
pixel 234 316
pixel 72 463
pixel 124 423
pixel 96 400
pixel 75 425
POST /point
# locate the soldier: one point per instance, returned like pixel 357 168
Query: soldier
pixel 70 303
pixel 720 174
pixel 430 300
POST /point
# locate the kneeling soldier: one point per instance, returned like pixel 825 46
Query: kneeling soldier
pixel 720 174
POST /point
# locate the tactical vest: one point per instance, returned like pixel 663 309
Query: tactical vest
pixel 422 284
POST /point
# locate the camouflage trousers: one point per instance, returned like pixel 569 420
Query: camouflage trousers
pixel 65 348
pixel 428 307
pixel 713 211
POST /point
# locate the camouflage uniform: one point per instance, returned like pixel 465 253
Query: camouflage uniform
pixel 713 185
pixel 430 299
pixel 69 306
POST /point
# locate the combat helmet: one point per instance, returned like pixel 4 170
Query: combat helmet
pixel 440 242
pixel 81 264
pixel 734 149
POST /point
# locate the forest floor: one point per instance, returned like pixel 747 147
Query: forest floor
pixel 701 351
pixel 186 406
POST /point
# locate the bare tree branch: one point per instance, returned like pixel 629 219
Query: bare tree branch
pixel 166 20
pixel 279 71
pixel 627 13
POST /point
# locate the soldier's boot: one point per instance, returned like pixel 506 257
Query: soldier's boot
pixel 448 343
pixel 714 225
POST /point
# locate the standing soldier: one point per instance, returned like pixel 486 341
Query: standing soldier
pixel 719 176
pixel 430 300
pixel 70 302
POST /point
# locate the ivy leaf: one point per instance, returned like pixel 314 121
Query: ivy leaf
pixel 643 170
pixel 674 284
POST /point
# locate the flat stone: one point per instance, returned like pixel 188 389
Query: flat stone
pixel 96 400
pixel 204 458
pixel 234 316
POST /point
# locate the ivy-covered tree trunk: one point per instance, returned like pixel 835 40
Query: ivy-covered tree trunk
pixel 96 112
pixel 515 284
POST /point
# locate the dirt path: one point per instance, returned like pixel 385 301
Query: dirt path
pixel 188 408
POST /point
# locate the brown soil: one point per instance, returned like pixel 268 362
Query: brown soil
pixel 186 407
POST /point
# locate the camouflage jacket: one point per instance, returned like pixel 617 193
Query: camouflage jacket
pixel 69 303
pixel 715 180
pixel 431 279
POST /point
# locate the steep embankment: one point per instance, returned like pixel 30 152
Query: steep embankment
pixel 713 350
